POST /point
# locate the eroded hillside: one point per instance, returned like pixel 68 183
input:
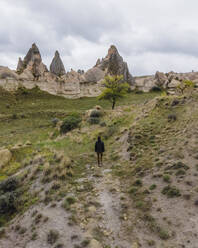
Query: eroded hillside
pixel 55 195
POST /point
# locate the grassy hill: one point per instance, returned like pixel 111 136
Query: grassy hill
pixel 143 196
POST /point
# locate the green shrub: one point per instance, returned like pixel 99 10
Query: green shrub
pixel 8 203
pixel 133 190
pixel 96 113
pixel 68 202
pixel 153 186
pixel 103 124
pixel 171 191
pixel 180 172
pixel 138 182
pixel 163 234
pixel 70 122
pixel 166 178
pixel 9 185
pixel 93 120
pixel 155 89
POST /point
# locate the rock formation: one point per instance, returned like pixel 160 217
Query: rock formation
pixel 57 66
pixel 32 72
pixel 5 73
pixel 32 63
pixel 113 64
pixel 20 66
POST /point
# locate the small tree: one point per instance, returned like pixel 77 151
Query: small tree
pixel 115 88
pixel 184 86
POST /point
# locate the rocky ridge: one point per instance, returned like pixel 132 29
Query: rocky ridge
pixel 31 72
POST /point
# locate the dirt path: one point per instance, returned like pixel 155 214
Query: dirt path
pixel 112 223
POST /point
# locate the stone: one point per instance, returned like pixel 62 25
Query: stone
pixel 160 78
pixel 94 75
pixel 113 64
pixel 94 244
pixel 135 245
pixel 5 156
pixel 57 66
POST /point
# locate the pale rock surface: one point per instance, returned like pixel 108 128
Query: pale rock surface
pixel 57 66
pixel 5 72
pixel 94 75
pixel 95 244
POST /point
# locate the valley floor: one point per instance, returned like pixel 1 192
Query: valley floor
pixel 144 195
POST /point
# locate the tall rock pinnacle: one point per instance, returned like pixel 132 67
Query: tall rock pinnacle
pixel 113 64
pixel 57 66
pixel 32 63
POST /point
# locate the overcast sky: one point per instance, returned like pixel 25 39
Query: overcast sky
pixel 150 35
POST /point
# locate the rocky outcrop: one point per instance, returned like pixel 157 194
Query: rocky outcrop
pixel 113 64
pixel 57 66
pixel 32 63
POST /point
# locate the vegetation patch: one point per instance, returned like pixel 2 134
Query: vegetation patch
pixel 171 191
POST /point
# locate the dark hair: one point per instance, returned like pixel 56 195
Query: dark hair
pixel 99 139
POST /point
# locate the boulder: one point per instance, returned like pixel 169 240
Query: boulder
pixel 113 64
pixel 94 75
pixel 57 66
pixel 5 156
pixel 160 78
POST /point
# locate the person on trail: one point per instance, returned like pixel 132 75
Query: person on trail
pixel 99 148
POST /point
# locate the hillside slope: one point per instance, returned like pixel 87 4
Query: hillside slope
pixel 144 195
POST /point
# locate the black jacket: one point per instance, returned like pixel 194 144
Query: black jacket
pixel 99 147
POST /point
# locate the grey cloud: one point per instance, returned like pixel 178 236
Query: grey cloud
pixel 150 35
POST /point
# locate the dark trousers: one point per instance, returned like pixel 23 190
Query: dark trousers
pixel 99 155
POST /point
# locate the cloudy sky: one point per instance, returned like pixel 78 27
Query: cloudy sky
pixel 151 35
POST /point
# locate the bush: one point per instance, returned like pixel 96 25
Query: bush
pixel 171 191
pixel 8 203
pixel 70 122
pixel 103 124
pixel 153 186
pixel 93 120
pixel 95 113
pixel 138 182
pixel 155 89
pixel 166 178
pixel 68 202
pixel 9 185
